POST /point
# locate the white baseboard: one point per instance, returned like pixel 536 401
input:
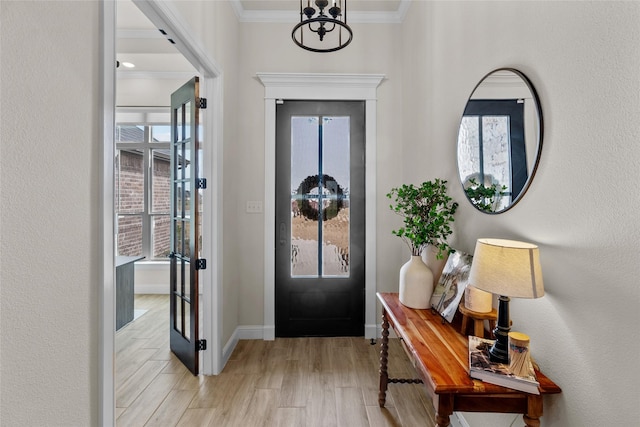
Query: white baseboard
pixel 372 331
pixel 229 347
pixel 249 332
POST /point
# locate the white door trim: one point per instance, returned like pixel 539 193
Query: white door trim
pixel 164 16
pixel 319 87
pixel 107 305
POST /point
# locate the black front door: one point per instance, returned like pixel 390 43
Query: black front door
pixel 320 218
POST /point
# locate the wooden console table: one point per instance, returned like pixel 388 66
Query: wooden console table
pixel 440 355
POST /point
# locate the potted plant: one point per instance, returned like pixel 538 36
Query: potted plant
pixel 427 213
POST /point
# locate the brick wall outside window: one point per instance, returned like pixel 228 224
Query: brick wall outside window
pixel 130 200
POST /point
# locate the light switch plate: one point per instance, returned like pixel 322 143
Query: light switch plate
pixel 254 206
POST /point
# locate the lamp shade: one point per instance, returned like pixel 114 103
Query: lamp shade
pixel 507 267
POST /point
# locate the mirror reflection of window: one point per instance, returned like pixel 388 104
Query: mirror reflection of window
pixel 492 151
pixel 499 141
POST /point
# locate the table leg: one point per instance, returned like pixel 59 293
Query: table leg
pixel 384 353
pixel 442 420
pixel 443 404
pixel 534 411
pixel 531 422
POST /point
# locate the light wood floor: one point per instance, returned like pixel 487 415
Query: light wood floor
pixel 312 382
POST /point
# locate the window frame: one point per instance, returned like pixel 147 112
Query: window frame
pixel 147 120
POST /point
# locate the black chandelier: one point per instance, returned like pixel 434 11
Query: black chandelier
pixel 323 25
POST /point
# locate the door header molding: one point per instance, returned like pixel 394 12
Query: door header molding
pixel 313 86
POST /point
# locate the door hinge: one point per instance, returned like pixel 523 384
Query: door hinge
pixel 201 264
pixel 202 102
pixel 201 345
pixel 201 183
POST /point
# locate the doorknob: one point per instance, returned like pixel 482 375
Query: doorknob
pixel 283 233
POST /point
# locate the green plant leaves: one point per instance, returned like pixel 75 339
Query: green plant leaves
pixel 484 197
pixel 427 211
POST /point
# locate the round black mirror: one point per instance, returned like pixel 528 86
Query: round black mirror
pixel 499 141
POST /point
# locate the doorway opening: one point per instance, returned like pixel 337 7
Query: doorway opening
pixel 162 16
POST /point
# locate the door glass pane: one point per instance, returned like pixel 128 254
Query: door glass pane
pixel 178 237
pixel 187 320
pixel 187 121
pixel 186 198
pixel 129 235
pixel 187 280
pixel 179 197
pixel 178 123
pixel 304 196
pixel 186 235
pixel 177 324
pixel 186 161
pixel 469 149
pixel 496 149
pixel 335 203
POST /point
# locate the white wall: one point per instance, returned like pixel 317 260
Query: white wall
pixel 268 48
pixel 581 209
pixel 50 247
pixel 151 277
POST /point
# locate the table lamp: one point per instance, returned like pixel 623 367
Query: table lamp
pixel 507 268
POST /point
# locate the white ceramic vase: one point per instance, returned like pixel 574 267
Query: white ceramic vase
pixel 430 258
pixel 416 284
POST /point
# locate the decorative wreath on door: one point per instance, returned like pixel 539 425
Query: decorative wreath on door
pixel 307 206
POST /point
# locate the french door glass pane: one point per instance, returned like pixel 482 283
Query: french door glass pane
pixel 187 280
pixel 186 235
pixel 496 149
pixel 187 121
pixel 179 118
pixel 187 320
pixel 469 149
pixel 304 196
pixel 335 221
pixel 178 318
pixel 320 196
pixel 186 155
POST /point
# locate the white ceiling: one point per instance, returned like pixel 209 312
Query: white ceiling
pixel 141 43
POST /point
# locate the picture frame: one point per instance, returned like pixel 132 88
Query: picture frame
pixel 451 285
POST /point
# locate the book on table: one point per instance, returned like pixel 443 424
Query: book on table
pixel 482 368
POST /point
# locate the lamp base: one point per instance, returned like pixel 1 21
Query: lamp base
pixel 499 351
